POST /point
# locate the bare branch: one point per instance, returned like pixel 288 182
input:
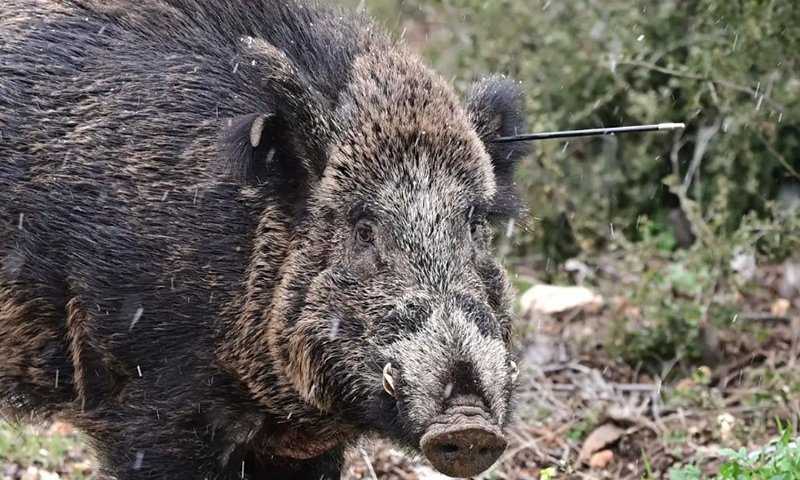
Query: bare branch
pixel 677 145
pixel 704 136
pixel 699 228
pixel 702 78
pixel 367 462
pixel 777 155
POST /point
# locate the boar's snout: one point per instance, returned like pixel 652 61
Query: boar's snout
pixel 463 441
pixel 452 380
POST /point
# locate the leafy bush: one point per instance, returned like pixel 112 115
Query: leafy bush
pixel 779 461
pixel 687 295
pixel 728 69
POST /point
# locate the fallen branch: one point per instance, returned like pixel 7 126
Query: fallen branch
pixel 367 462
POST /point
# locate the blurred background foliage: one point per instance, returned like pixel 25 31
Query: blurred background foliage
pixel 686 210
pixel 729 69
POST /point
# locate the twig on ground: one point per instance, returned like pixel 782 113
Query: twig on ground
pixel 764 317
pixel 735 369
pixel 634 387
pixel 367 462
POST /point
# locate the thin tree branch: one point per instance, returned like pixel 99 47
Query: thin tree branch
pixel 367 462
pixel 704 136
pixel 700 229
pixel 702 78
pixel 779 157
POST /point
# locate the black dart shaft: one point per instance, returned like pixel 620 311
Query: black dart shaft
pixel 588 132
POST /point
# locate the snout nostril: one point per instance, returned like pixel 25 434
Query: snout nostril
pixel 449 448
pixel 463 450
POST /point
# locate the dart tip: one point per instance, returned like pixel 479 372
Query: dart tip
pixel 670 126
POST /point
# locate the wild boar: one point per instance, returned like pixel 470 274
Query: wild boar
pixel 236 236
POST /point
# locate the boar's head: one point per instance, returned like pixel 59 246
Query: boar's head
pixel 392 311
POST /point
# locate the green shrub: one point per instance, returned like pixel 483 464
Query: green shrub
pixel 778 461
pixel 728 69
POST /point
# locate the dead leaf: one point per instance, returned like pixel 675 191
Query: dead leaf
pixel 744 265
pixel 629 416
pixel 738 298
pixel 601 459
pixel 45 475
pixel 32 473
pixel 618 304
pixel 633 311
pixel 595 306
pixel 543 349
pixel 10 470
pixel 780 308
pixel 61 429
pixel 427 473
pixel 789 285
pixel 600 438
pixel 726 423
pixel 82 466
pixel 685 384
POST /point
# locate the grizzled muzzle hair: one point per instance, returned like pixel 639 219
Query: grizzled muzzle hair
pixel 453 386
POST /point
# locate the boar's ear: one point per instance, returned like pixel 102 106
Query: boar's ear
pixel 286 142
pixel 249 156
pixel 495 108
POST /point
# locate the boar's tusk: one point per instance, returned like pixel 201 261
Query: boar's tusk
pixel 388 381
pixel 514 371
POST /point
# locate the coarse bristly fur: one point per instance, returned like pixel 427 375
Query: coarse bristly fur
pixel 219 220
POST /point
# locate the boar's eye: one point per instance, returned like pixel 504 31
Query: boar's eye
pixel 364 234
pixel 475 224
pixel 474 228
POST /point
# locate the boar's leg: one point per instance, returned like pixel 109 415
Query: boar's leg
pixel 36 376
pixel 327 466
pixel 170 445
pixel 134 445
